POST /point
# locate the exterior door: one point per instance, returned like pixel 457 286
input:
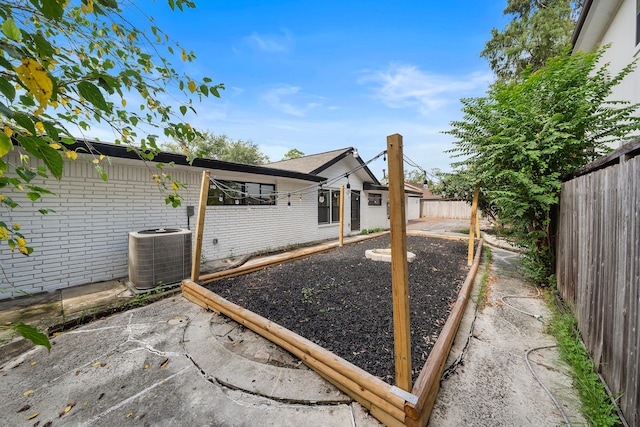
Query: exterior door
pixel 355 210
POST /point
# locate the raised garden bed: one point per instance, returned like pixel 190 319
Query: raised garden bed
pixel 352 292
pixel 342 301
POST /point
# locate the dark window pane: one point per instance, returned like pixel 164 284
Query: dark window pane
pixel 323 207
pixel 335 205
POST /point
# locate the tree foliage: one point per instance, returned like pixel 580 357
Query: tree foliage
pixel 415 176
pixel 67 65
pixel 460 185
pixel 522 139
pixel 539 30
pixel 294 153
pixel 207 145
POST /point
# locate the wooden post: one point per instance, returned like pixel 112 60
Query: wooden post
pixel 472 225
pixel 341 238
pixel 202 210
pixel 478 224
pixel 399 268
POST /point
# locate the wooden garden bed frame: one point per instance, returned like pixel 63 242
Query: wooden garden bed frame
pixel 392 405
pixel 389 404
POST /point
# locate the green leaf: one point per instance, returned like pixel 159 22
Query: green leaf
pixel 45 49
pixel 111 4
pixel 40 190
pixel 91 93
pixel 10 30
pixel 33 196
pixel 183 109
pixel 27 100
pixel 9 202
pixel 7 89
pixel 5 111
pixel 51 9
pixel 52 131
pixel 51 158
pixel 33 335
pixel 26 174
pixel 5 144
pixel 26 122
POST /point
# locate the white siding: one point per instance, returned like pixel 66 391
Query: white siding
pixel 375 216
pixel 617 27
pixel 412 208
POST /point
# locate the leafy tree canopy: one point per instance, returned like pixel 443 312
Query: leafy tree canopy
pixel 65 65
pixel 207 145
pixel 522 139
pixel 294 153
pixel 415 176
pixel 539 30
pixel 460 185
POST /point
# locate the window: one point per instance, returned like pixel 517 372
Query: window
pixel 328 206
pixel 241 193
pixel 375 199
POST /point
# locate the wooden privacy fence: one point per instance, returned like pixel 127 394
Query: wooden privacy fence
pixel 598 269
pixel 450 209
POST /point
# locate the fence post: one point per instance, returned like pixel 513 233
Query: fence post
pixel 202 210
pixel 399 266
pixel 341 236
pixel 472 225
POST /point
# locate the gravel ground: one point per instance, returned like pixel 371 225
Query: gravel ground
pixel 342 301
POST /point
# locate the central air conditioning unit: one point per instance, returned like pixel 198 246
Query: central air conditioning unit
pixel 159 257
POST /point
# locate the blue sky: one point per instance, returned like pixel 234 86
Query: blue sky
pixel 323 75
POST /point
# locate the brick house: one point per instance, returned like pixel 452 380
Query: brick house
pixel 250 209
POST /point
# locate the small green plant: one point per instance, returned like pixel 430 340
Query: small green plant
pixel 307 293
pixel 30 333
pixel 484 279
pixel 596 405
pixel 370 231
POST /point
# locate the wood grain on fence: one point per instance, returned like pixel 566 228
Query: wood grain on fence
pixel 598 271
pixel 445 209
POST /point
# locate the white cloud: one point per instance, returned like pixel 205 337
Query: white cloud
pixel 406 86
pixel 284 99
pixel 271 43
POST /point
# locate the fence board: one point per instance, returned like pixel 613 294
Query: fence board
pixel 598 270
pixel 445 209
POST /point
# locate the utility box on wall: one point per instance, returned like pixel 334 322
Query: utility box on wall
pixel 159 257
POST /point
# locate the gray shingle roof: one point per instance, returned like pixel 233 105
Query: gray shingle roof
pixel 312 164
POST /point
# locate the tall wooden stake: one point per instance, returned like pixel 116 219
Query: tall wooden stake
pixel 202 210
pixel 472 225
pixel 399 268
pixel 341 238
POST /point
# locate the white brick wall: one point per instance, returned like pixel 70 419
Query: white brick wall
pixel 86 239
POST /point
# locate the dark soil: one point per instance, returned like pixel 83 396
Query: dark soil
pixel 342 301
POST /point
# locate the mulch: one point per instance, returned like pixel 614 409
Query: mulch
pixel 342 301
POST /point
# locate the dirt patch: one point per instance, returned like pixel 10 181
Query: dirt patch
pixel 343 302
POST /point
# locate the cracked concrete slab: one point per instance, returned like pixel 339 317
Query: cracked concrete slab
pixel 138 367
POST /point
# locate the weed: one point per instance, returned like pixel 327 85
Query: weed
pixel 307 293
pixel 370 231
pixel 596 405
pixel 484 279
